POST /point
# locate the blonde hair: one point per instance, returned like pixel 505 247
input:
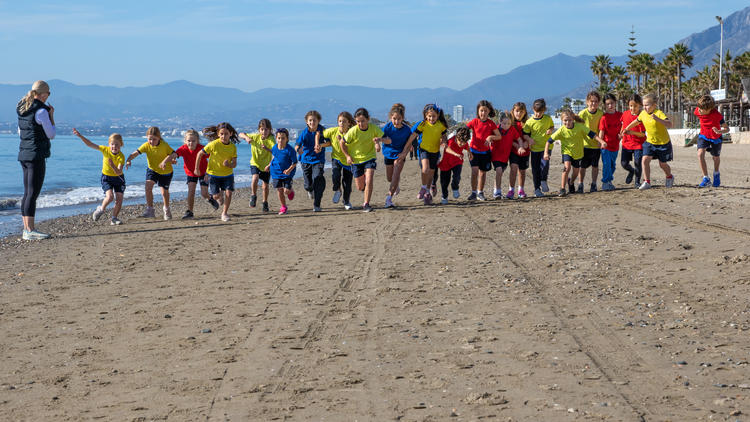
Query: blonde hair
pixel 115 137
pixel 39 87
pixel 651 98
pixel 192 132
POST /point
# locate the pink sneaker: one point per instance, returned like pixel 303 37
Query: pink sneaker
pixel 427 198
pixel 290 195
pixel 282 210
pixel 510 194
pixel 422 191
pixel 521 193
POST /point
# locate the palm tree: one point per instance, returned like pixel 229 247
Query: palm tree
pixel 601 66
pixel 647 65
pixel 680 56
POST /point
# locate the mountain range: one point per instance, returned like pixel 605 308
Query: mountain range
pixel 184 104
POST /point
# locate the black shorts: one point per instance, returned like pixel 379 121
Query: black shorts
pixel 282 183
pixel 709 145
pixel 499 164
pixel 432 157
pixel 163 180
pixel 265 176
pixel 521 162
pixel 358 170
pixel 388 161
pixel 220 183
pixel 591 158
pixel 116 183
pixel 197 179
pixel 482 161
pixel 573 163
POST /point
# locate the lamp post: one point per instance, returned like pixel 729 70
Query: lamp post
pixel 721 46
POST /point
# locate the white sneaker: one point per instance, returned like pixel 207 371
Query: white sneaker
pixel 97 213
pixel 456 194
pixel 348 206
pixel 224 217
pixel 34 235
pixel 167 213
pixel 115 221
pixel 149 212
pixel 336 196
pixel 544 186
pixel 669 182
pixel 645 185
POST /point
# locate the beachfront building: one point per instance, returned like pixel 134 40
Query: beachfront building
pixel 458 113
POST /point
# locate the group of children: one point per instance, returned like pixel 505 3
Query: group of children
pixel 514 140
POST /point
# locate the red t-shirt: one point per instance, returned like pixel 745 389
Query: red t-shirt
pixel 481 129
pixel 519 127
pixel 188 159
pixel 501 149
pixel 632 141
pixel 713 119
pixel 611 123
pixel 449 160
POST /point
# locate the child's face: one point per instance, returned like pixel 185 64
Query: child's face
pixel 397 120
pixel 362 122
pixel 312 122
pixel 505 124
pixel 224 135
pixel 461 142
pixel 517 113
pixel 648 106
pixel 568 121
pixel 343 124
pixel 114 147
pixel 483 113
pixel 431 117
pixel 153 140
pixel 634 108
pixel 281 139
pixel 702 111
pixel 191 142
pixel 593 104
pixel 610 106
pixel 264 131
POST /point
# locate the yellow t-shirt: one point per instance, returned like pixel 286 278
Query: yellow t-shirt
pixel 431 135
pixel 155 155
pixel 333 133
pixel 118 160
pixel 537 129
pixel 592 121
pixel 219 152
pixel 359 143
pixel 656 133
pixel 260 156
pixel 571 140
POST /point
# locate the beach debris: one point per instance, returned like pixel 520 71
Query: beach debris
pixel 206 330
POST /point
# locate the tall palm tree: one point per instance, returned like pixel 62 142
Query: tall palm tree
pixel 680 56
pixel 600 67
pixel 647 65
pixel 635 71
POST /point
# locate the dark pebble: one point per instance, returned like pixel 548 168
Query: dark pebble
pixel 167 316
pixel 206 330
pixel 682 362
pixel 720 385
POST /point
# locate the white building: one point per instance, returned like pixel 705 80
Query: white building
pixel 458 113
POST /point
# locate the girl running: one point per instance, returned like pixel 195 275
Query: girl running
pixel 394 153
pixel 159 171
pixel 260 144
pixel 341 173
pixel 481 158
pixel 432 129
pixel 113 179
pixel 359 145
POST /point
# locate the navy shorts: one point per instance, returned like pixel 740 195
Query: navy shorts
pixel 282 183
pixel 116 183
pixel 359 169
pixel 163 180
pixel 662 152
pixel 220 183
pixel 576 164
pixel 432 157
pixel 197 179
pixel 265 176
pixel 521 162
pixel 591 157
pixel 711 145
pixel 499 164
pixel 483 161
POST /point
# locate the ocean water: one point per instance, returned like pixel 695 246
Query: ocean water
pixel 72 186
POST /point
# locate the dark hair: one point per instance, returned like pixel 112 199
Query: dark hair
pixel 362 112
pixel 348 117
pixel 610 96
pixel 706 102
pixel 521 106
pixel 463 134
pixel 313 113
pixel 397 108
pixel 636 98
pixel 210 132
pixel 153 130
pixel 284 131
pixel 503 115
pixel 539 105
pixel 593 94
pixel 266 123
pixel 576 117
pixel 436 109
pixel 232 133
pixel 485 103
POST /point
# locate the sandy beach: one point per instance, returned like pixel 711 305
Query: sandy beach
pixel 621 306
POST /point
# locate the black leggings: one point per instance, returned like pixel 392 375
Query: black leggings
pixel 33 178
pixel 445 179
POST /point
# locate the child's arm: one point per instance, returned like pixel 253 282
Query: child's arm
pixel 246 138
pixel 599 139
pixel 198 158
pixel 289 170
pixel 724 129
pixel 496 136
pixel 632 124
pixel 231 163
pixel 549 142
pixel 449 150
pixel 85 140
pixel 666 122
pixel 345 150
pixel 405 152
pixel 171 157
pixel 116 169
pixel 130 158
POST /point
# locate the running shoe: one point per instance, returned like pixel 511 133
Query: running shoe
pixel 472 197
pixel 149 212
pixel 336 196
pixel 347 206
pixel 309 195
pixel 669 182
pixel 444 201
pixel 317 209
pixel 224 217
pixel 480 196
pixel 629 177
pixel 510 194
pixel 211 201
pixel 538 193
pixel 34 235
pixel 593 188
pixel 427 198
pixel 545 187
pixel 290 195
pixel 645 185
pixel 456 194
pixel 167 213
pixel 580 188
pixel 366 207
pixel 253 200
pixel 521 193
pixel 97 213
pixel 265 207
pixel 421 193
pixel 282 210
pixel 188 214
pixel 115 221
pixel 717 179
pixel 388 202
pixel 497 194
pixel 563 192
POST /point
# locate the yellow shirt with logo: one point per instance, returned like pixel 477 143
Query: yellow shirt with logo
pixel 156 154
pixel 219 152
pixel 592 121
pixel 431 135
pixel 537 129
pixel 261 157
pixel 117 159
pixel 359 143
pixel 656 133
pixel 571 140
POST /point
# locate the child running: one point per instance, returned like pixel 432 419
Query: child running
pixel 311 147
pixel 539 127
pixel 189 153
pixel 341 174
pixel 222 159
pixel 481 157
pixel 713 127
pixel 591 151
pixel 632 141
pixel 501 150
pixel 359 145
pixel 159 172
pixel 519 153
pixel 658 144
pixel 282 167
pixel 260 144
pixel 452 162
pixel 113 179
pixel 609 130
pixel 432 129
pixel 394 153
pixel 571 136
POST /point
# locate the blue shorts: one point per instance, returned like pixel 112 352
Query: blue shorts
pixel 197 179
pixel 661 152
pixel 359 169
pixel 432 157
pixel 711 145
pixel 576 164
pixel 220 183
pixel 480 160
pixel 282 183
pixel 163 180
pixel 116 183
pixel 591 157
pixel 265 176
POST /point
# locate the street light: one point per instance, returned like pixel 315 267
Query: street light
pixel 721 46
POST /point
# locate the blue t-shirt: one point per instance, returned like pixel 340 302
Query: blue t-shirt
pixel 282 160
pixel 398 140
pixel 306 139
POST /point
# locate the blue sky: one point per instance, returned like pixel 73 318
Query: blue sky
pixel 304 43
